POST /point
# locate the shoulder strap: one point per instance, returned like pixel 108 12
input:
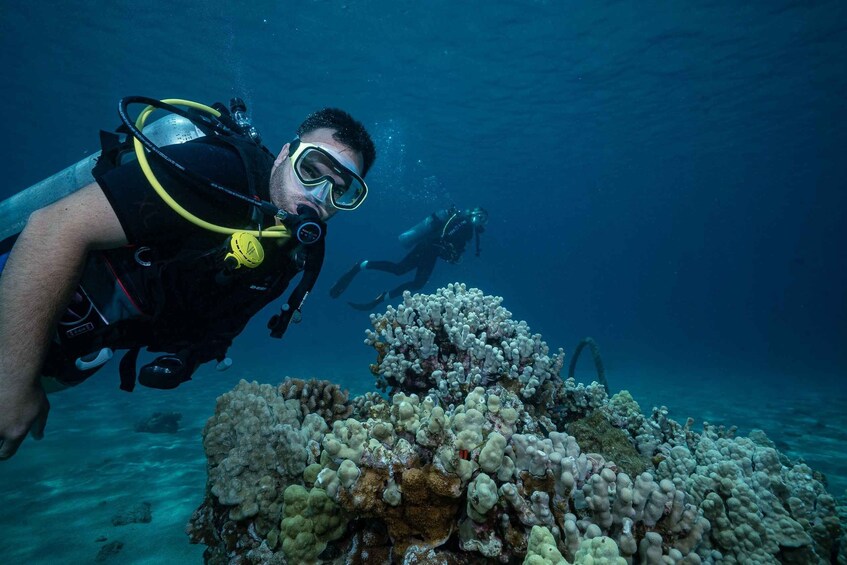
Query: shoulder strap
pixel 112 146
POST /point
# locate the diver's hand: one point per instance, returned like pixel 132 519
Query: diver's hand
pixel 21 411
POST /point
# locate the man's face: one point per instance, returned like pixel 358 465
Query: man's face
pixel 286 190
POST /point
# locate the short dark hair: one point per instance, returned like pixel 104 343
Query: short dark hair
pixel 347 131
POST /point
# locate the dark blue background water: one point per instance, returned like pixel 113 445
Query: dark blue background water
pixel 666 177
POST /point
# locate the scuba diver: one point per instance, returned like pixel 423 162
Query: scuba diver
pixel 443 234
pixel 173 247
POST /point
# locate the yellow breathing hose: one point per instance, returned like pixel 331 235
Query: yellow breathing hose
pixel 271 231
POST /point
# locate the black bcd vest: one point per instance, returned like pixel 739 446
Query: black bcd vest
pixel 176 300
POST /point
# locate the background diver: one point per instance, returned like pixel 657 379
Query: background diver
pixel 443 234
pixel 133 271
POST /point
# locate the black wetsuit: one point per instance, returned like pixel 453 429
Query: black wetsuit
pixel 448 234
pixel 447 241
pixel 165 289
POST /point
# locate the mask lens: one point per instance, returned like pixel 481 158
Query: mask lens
pixel 479 217
pixel 315 168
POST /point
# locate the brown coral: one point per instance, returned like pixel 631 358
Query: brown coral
pixel 426 516
pixel 323 398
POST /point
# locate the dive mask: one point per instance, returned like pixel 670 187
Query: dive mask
pixel 479 217
pixel 328 176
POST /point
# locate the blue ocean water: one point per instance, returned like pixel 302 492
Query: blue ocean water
pixel 665 177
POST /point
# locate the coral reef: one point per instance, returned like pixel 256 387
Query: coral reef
pixel 257 444
pixel 323 398
pixel 482 453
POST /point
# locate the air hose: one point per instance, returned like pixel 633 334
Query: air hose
pixel 141 142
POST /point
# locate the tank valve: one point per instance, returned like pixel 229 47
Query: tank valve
pixel 239 114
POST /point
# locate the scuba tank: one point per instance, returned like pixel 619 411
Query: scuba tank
pixel 15 210
pixel 423 229
pixel 415 234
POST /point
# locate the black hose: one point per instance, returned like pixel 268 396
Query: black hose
pixel 198 120
pixel 598 361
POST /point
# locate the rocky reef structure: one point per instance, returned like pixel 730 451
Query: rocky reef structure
pixel 482 453
pixel 323 398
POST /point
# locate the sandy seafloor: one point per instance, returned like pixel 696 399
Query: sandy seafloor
pixel 59 495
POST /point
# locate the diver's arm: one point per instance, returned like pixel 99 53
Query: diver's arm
pixel 37 282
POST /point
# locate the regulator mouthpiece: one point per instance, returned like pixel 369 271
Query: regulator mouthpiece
pixel 306 226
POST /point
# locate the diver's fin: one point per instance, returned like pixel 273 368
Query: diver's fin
pixel 369 305
pixel 341 285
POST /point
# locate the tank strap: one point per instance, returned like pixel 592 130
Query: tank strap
pixel 111 148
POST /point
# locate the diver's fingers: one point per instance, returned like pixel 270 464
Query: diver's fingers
pixel 9 447
pixel 38 426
